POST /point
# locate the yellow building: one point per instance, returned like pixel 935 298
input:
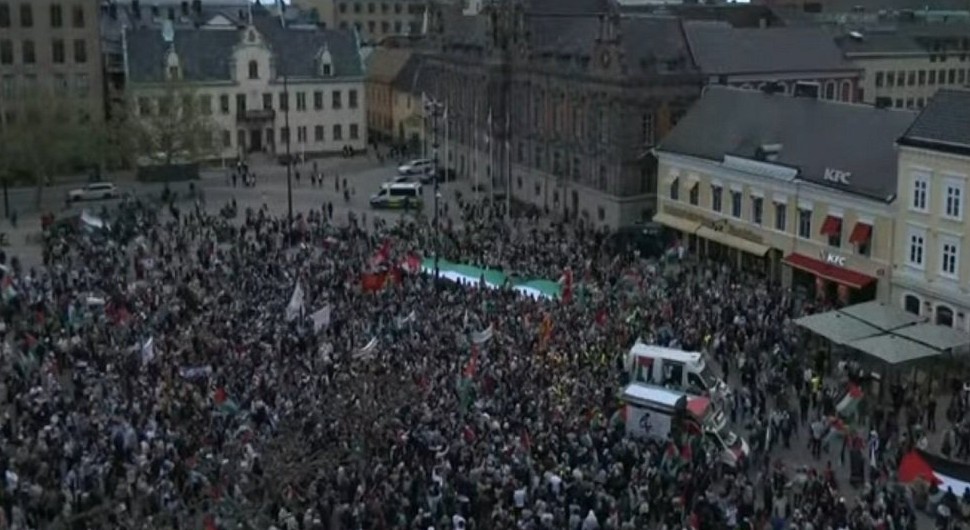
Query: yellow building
pixel 931 277
pixel 383 66
pixel 409 88
pixel 799 189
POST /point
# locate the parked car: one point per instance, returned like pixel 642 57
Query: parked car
pixel 448 175
pixel 94 191
pixel 414 167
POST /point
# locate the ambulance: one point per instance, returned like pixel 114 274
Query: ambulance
pixel 672 368
pixel 650 412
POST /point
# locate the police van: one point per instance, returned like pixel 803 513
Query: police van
pixel 397 195
pixel 672 368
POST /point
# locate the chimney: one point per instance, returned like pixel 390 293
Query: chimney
pixel 197 7
pixel 185 8
pixel 136 9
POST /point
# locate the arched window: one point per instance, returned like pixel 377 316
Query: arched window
pixel 846 91
pixel 911 304
pixel 830 90
pixel 944 316
pixel 253 70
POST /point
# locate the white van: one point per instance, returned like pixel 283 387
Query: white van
pixel 668 367
pixel 394 195
pixel 650 412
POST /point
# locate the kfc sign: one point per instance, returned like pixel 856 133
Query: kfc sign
pixel 836 175
pixel 833 259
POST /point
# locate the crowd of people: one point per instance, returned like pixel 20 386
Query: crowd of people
pixel 194 371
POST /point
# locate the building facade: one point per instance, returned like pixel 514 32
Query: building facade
pixel 796 188
pixel 931 275
pixel 906 64
pixel 50 48
pixel 559 103
pixel 383 67
pixel 238 75
pixel 784 59
pixel 374 20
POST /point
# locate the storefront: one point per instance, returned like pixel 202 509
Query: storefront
pixel 828 278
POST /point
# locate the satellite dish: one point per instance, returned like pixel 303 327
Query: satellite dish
pixel 168 31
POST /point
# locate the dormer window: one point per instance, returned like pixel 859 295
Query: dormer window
pixel 325 62
pixel 253 70
pixel 327 69
pixel 173 73
pixel 173 70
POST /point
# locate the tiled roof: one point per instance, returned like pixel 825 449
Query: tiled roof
pixel 814 135
pixel 944 124
pixel 567 34
pixel 655 39
pixel 719 49
pixel 384 64
pixel 206 54
pixel 900 38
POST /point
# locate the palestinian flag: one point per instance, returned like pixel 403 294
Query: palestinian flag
pixel 566 283
pixel 642 369
pixel 382 254
pixel 849 404
pixel 411 264
pixel 9 292
pixel 936 470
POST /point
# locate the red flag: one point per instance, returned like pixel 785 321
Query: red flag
pixel 372 282
pixel 210 523
pixel 566 281
pixel 411 264
pixel 601 316
pixel 382 253
pixel 31 340
pixel 472 366
pixel 220 396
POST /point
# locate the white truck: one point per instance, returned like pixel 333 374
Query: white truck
pixel 672 368
pixel 651 411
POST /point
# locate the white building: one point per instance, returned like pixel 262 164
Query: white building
pixel 236 71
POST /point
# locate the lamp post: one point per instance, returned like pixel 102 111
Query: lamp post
pixel 289 161
pixel 432 110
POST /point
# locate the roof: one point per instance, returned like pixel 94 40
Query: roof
pixel 567 7
pixel 737 15
pixel 384 64
pixel 567 34
pixel 413 77
pixel 898 38
pixel 815 136
pixel 659 352
pixel 467 30
pixel 666 40
pixel 944 124
pixel 720 49
pixel 207 54
pixel 664 396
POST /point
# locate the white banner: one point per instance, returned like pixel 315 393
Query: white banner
pixel 148 350
pixel 481 337
pixel 295 308
pixel 368 351
pixel 404 321
pixel 193 373
pixel 321 318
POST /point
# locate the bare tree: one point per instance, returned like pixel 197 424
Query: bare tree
pixel 172 126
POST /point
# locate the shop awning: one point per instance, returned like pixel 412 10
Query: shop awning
pixel 935 336
pixel 893 349
pixel 677 223
pixel 838 328
pixel 828 271
pixel 861 233
pixel 831 226
pixel 732 241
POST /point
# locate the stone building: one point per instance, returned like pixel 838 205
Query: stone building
pixel 374 20
pixel 560 102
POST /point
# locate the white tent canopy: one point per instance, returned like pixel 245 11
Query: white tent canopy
pixel 837 327
pixel 882 316
pixel 934 336
pixel 893 349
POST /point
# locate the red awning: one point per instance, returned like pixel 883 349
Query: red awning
pixel 832 226
pixel 861 233
pixel 829 271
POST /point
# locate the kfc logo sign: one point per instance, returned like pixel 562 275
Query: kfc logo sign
pixel 833 259
pixel 836 175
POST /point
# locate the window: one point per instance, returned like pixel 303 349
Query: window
pixel 338 133
pixel 224 103
pixel 781 216
pixel 804 223
pixel 397 8
pixel 911 304
pixel 891 79
pixel 318 133
pixel 354 131
pixel 953 198
pixel 397 27
pixel 28 52
pixel 301 134
pixel 911 78
pixel 301 101
pixel 922 77
pixel 284 101
pixel 240 104
pixel 675 189
pixel 917 240
pixel 226 139
pixel 80 51
pixel 284 134
pixel 318 100
pixel 82 85
pixel 716 198
pixel 205 104
pixel 4 15
pixel 144 106
pixel 57 16
pixel 932 78
pixel 335 100
pixel 371 8
pixel 26 15
pixel 268 101
pixel 921 190
pixel 253 70
pixel 57 51
pixel 949 257
pixel 757 209
pixel 694 194
pixel 327 68
pixel 352 99
pixel 832 228
pixel 342 8
pixel 736 203
pixel 879 76
pixel 77 16
pixel 9 86
pixel 944 316
pixel 6 51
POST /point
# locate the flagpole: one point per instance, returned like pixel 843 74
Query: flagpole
pixel 508 162
pixel 476 134
pixel 491 173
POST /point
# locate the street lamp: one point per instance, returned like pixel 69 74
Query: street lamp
pixel 289 161
pixel 433 109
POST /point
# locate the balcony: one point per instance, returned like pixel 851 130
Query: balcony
pixel 256 115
